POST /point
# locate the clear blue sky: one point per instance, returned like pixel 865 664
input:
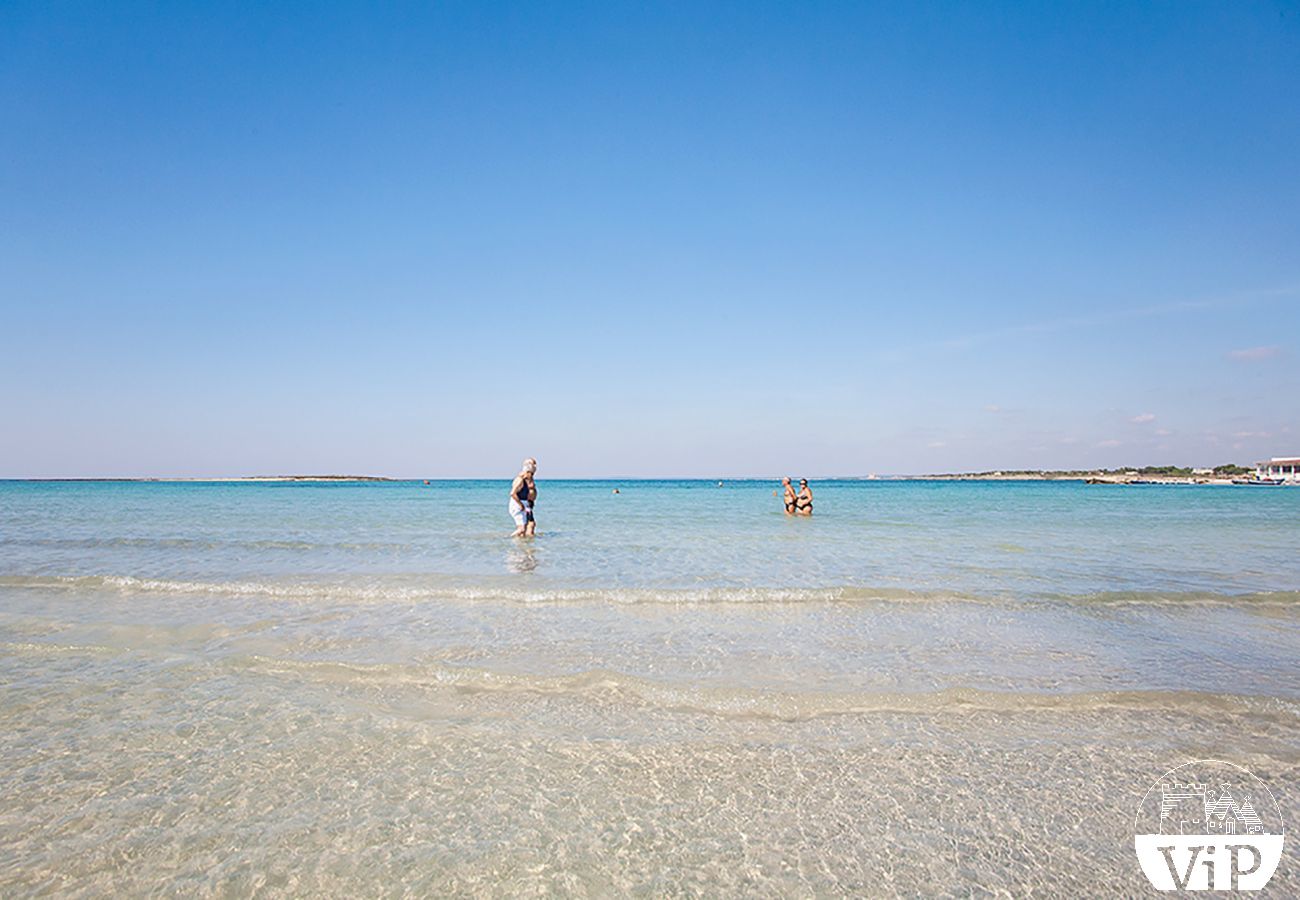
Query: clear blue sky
pixel 647 239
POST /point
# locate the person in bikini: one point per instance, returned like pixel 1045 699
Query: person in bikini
pixel 789 498
pixel 531 529
pixel 803 502
pixel 523 491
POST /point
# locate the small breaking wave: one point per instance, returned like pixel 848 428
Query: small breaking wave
pixel 431 588
pixel 410 592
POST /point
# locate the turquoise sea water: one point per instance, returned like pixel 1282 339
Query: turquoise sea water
pixel 981 538
pixel 300 687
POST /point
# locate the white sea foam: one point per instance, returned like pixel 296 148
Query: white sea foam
pixel 412 589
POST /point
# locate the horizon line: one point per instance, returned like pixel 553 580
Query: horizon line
pixel 875 476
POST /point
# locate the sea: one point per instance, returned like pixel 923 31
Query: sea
pixel 359 689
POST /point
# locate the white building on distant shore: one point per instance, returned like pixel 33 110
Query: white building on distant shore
pixel 1284 467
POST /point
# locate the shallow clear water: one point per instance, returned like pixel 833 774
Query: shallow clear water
pixel 222 688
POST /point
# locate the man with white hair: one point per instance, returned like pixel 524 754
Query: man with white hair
pixel 523 494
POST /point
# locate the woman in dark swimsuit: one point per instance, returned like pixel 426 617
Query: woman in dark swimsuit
pixel 803 502
pixel 531 528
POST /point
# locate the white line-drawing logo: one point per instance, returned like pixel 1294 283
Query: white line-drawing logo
pixel 1209 825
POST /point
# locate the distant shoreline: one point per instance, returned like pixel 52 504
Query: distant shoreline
pixel 246 478
pixel 1091 477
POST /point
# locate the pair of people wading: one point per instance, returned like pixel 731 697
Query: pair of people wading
pixel 798 503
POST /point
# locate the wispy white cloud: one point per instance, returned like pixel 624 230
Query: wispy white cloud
pixel 1109 443
pixel 958 342
pixel 934 445
pixel 1254 354
pixel 1143 418
pixel 992 408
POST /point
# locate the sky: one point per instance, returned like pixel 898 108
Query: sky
pixel 647 239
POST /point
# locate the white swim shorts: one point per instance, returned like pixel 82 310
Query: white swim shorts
pixel 518 512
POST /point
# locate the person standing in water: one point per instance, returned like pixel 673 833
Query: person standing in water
pixel 803 502
pixel 523 491
pixel 531 465
pixel 789 498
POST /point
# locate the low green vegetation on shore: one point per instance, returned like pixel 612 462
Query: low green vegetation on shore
pixel 1227 470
